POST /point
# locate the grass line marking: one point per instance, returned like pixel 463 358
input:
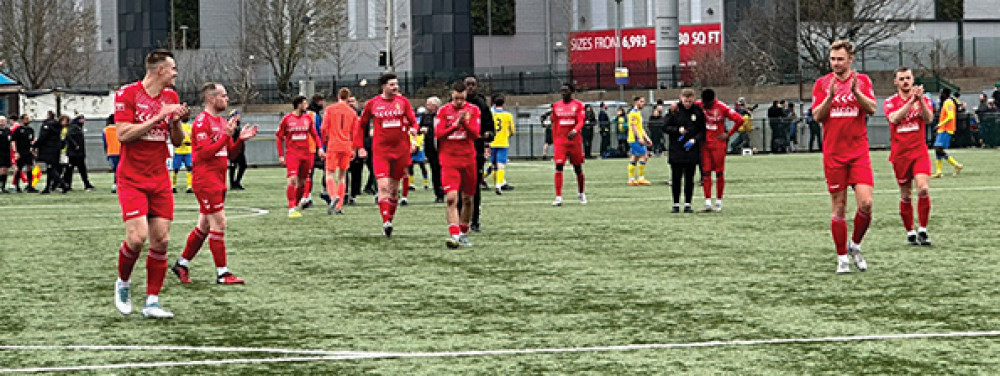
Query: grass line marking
pixel 347 355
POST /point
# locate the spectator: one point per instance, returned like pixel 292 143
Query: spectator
pixel 622 132
pixel 590 121
pixel 47 147
pixel 779 127
pixel 604 123
pixel 430 145
pixel 237 157
pixel 656 122
pixel 743 136
pixel 112 149
pixel 547 125
pixel 815 131
pixel 5 152
pixel 76 153
pixel 793 124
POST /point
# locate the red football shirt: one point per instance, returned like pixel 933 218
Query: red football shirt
pixel 715 123
pixel 146 157
pixel 456 143
pixel 392 120
pixel 210 145
pixel 567 117
pixel 299 132
pixel 909 136
pixel 845 133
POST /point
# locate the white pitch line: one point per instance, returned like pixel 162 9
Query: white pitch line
pixel 453 354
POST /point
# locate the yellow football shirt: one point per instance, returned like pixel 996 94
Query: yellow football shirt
pixel 185 147
pixel 635 125
pixel 503 128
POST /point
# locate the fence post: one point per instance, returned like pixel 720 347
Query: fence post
pixel 900 51
pixel 520 82
pixel 597 76
pixel 974 64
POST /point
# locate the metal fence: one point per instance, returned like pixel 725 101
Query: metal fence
pixel 529 140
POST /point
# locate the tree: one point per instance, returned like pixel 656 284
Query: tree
pixel 503 15
pixel 872 22
pixel 46 41
pixel 282 32
pixel 866 23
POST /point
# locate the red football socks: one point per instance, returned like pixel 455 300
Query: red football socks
pixel 839 229
pixel 290 193
pixel 156 270
pixel 453 229
pixel 924 210
pixel 217 243
pixel 706 185
pixel 906 213
pixel 558 178
pixel 194 242
pixel 383 208
pixel 720 186
pixel 861 222
pixel 126 261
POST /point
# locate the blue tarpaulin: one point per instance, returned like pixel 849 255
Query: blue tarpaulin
pixel 4 80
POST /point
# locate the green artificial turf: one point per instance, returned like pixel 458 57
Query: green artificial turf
pixel 619 271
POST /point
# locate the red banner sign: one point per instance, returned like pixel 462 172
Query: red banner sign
pixel 592 57
pixel 599 46
pixel 696 41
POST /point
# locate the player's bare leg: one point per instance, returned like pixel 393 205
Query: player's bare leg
pixel 156 267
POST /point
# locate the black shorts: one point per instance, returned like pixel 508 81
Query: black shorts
pixel 26 160
pixel 5 159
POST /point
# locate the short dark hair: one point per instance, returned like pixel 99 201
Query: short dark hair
pixel 209 88
pixel 499 100
pixel 385 78
pixel 900 70
pixel 459 87
pixel 572 88
pixel 636 98
pixel 157 56
pixel 318 97
pixel 707 96
pixel 110 120
pixel 298 100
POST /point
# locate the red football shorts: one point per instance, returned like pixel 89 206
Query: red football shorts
pixel 210 200
pixel 572 150
pixel 152 200
pixel 459 178
pixel 907 168
pixel 338 160
pixel 298 165
pixel 846 172
pixel 713 160
pixel 389 166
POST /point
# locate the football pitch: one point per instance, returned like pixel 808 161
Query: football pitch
pixel 618 286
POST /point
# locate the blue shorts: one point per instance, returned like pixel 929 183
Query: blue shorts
pixel 637 149
pixel 498 155
pixel 419 157
pixel 943 140
pixel 181 159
